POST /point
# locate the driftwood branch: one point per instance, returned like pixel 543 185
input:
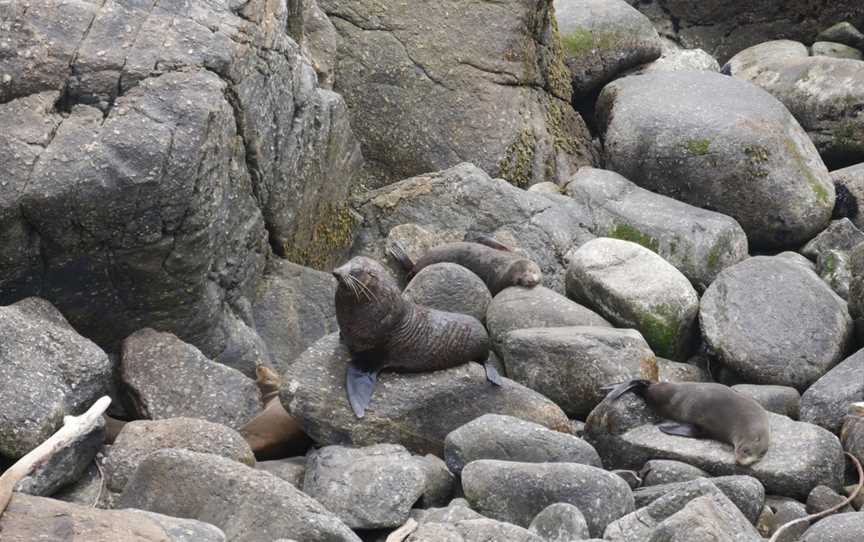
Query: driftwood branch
pixel 73 428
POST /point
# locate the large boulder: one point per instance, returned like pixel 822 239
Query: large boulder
pixel 746 492
pixel 247 504
pixel 151 151
pixel 849 185
pixel 416 410
pixel 721 144
pixel 47 371
pixel 775 322
pixel 411 75
pixel 463 199
pixel 827 400
pixel 848 527
pixel 450 287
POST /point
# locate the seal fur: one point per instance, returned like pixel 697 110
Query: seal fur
pixel 706 409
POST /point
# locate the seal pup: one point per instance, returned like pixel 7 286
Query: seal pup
pixel 273 433
pixel 701 409
pixel 498 268
pixel 383 330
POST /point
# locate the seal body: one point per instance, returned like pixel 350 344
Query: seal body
pixel 707 409
pixel 273 433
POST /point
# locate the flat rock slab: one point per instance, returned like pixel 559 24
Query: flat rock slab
pixel 416 410
pixel 168 378
pixel 775 322
pixel 247 504
pixel 516 492
pixel 825 402
pixel 719 143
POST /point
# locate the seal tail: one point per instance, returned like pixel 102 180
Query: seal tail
pixel 397 251
pixel 637 386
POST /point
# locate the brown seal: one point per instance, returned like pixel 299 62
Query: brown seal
pixel 702 409
pixel 273 433
pixel 383 330
pixel 496 265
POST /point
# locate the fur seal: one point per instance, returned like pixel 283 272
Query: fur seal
pixel 498 267
pixel 273 433
pixel 706 410
pixel 383 330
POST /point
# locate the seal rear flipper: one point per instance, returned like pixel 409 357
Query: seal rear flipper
pixel 397 251
pixel 617 390
pixel 488 240
pixel 681 429
pixel 359 384
pixel 492 374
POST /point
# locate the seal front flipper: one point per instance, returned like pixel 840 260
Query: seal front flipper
pixel 615 391
pixel 397 251
pixel 359 384
pixel 681 429
pixel 492 374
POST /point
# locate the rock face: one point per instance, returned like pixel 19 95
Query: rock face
pixel 825 94
pixel 517 492
pixel 720 144
pixel 248 505
pixel 774 322
pixel 510 439
pixel 571 365
pixel 826 401
pixel 633 287
pixel 452 288
pixel 415 410
pixel 412 89
pixel 202 126
pixel 601 39
pixel 698 242
pixel 464 199
pixel 293 308
pixel 36 518
pixel 47 371
pixel 166 378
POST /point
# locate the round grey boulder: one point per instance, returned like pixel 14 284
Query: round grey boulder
pixel 825 402
pixel 560 522
pixel 836 50
pixel 452 288
pixel 847 527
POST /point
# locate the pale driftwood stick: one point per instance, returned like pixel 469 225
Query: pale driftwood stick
pixel 73 427
pixel 402 532
pixel 831 510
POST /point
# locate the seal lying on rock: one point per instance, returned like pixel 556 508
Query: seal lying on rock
pixel 706 410
pixel 496 265
pixel 383 330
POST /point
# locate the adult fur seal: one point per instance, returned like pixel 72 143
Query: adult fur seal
pixel 383 330
pixel 706 410
pixel 498 267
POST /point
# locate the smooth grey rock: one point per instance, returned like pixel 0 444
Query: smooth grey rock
pixel 463 199
pixel 571 365
pixel 411 86
pixel 139 439
pixel 785 510
pixel 835 268
pixel 545 187
pixel 852 436
pixel 560 522
pixel 47 371
pixel 840 235
pixel 836 50
pixel 367 488
pixel 711 153
pixel 703 520
pixel 698 242
pixel 675 371
pixel 452 288
pixel 746 492
pixel 772 51
pixel 601 39
pixel 440 482
pixel 633 287
pixel 822 498
pixel 37 518
pixel 291 469
pixel 517 492
pixel 294 307
pixel 801 455
pixel 849 185
pixel 843 32
pixel 663 471
pixel 506 438
pixel 415 410
pixel 847 527
pixel 826 401
pixel 163 377
pixel 795 257
pixel 472 530
pixel 238 499
pixel 682 60
pixel 457 510
pixel 774 322
pixel 856 282
pixel 780 399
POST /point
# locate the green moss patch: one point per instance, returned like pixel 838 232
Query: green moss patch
pixel 334 231
pixel 818 189
pixel 517 164
pixel 699 147
pixel 626 232
pixel 660 329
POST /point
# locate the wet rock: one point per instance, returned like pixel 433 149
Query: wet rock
pixel 847 527
pixel 560 522
pixel 450 203
pixel 415 410
pixel 47 371
pixel 571 365
pixel 139 439
pixel 472 530
pixel 291 469
pixel 293 308
pixel 774 322
pixel 826 401
pixel 248 505
pixel 745 492
pixel 517 492
pixel 601 39
pixel 510 439
pixel 698 242
pixel 33 518
pixel 822 498
pixel 367 488
pixel 166 378
pixel 452 288
pixel 780 399
pixel 713 155
pixel 836 50
pixel 663 471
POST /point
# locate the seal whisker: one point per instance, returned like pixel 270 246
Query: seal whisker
pixel 351 283
pixel 367 291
